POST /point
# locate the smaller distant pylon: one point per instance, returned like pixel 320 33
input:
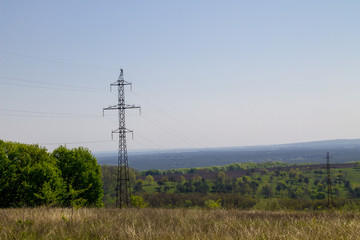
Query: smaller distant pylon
pixel 329 184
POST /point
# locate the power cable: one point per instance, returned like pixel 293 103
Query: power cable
pixel 65 143
pixel 167 114
pixel 37 116
pixel 179 122
pixel 51 88
pixel 170 130
pixel 52 84
pixel 26 111
pixel 163 100
pixel 45 114
pixel 55 61
pixel 167 129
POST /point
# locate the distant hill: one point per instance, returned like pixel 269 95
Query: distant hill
pixel 307 152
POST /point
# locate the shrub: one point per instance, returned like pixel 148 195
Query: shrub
pixel 138 202
pixel 212 204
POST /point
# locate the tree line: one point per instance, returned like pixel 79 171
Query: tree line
pixel 31 176
pixel 229 167
pixel 290 186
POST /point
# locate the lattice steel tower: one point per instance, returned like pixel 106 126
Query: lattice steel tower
pixel 123 180
pixel 329 185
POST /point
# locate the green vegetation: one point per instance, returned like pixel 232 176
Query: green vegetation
pixel 138 202
pixel 81 175
pixel 292 187
pixel 103 223
pixel 109 176
pixel 250 201
pixel 247 201
pixel 30 176
pixel 229 167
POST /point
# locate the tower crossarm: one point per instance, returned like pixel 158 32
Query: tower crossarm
pixel 122 131
pixel 126 106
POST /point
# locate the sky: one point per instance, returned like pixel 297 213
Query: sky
pixel 205 73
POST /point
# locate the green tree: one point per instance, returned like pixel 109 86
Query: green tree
pixel 108 177
pixel 196 178
pixel 81 173
pixel 149 179
pixel 221 177
pixel 29 176
pixel 160 182
pixel 201 186
pixel 246 179
pixel 138 186
pixel 294 173
pixel 165 179
pixel 182 179
pixel 357 164
pixel 267 191
pixel 132 176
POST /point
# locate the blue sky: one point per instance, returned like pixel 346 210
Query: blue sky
pixel 206 73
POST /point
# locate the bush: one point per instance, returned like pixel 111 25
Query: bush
pixel 138 202
pixel 212 204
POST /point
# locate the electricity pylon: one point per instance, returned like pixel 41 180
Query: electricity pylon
pixel 123 180
pixel 329 185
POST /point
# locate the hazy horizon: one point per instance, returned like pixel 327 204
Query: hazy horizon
pixel 252 147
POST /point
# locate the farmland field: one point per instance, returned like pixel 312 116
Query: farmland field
pixel 62 223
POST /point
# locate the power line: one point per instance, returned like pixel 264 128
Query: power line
pixel 174 133
pixel 97 90
pixel 65 143
pixel 166 101
pixel 55 61
pixel 136 138
pixel 171 131
pixel 51 84
pixel 26 113
pixel 63 87
pixel 202 123
pixel 48 88
pixel 148 140
pixel 36 116
pixel 67 88
pixel 192 130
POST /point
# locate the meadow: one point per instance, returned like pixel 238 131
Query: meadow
pixel 150 223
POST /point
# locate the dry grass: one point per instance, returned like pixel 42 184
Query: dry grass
pixel 58 223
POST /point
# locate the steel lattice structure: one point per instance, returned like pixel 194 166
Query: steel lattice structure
pixel 123 180
pixel 329 185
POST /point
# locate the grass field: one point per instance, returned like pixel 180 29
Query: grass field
pixel 58 223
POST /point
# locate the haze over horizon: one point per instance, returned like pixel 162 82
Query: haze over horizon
pixel 206 73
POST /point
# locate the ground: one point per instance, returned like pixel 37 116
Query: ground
pixel 60 223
